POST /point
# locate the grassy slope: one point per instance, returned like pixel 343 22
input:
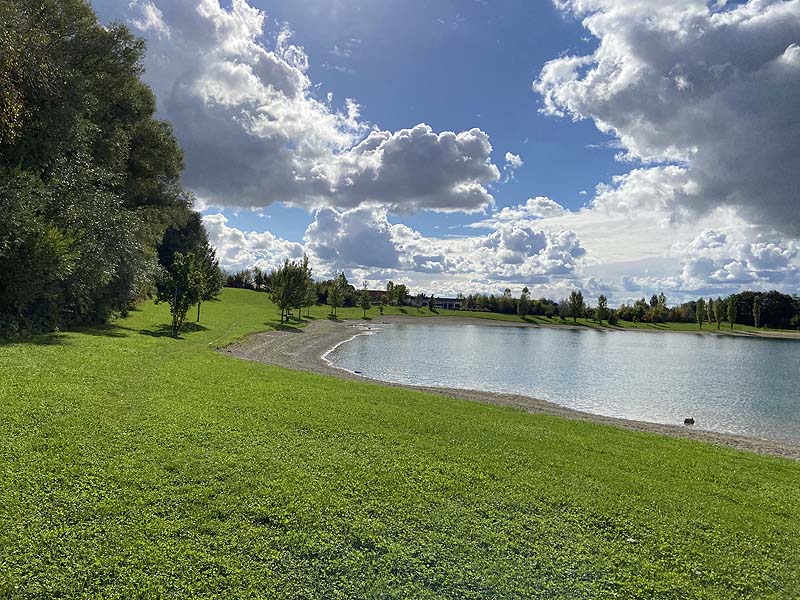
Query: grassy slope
pixel 135 465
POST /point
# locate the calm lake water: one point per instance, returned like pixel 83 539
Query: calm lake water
pixel 729 384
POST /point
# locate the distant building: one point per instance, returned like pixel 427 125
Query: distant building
pixel 449 303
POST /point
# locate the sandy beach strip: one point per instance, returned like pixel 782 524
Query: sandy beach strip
pixel 304 349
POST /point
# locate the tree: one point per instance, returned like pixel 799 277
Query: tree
pixel 400 294
pixel 365 301
pixel 288 287
pixel 178 288
pixel 639 310
pixel 207 277
pixel 653 301
pixel 719 312
pixel 700 308
pixel 432 303
pixel 336 293
pixel 710 312
pixel 310 294
pixel 524 303
pixel 732 310
pixel 89 179
pixel 757 310
pixel 602 308
pixel 576 305
pixel 390 293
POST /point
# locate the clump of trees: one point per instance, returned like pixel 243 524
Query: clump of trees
pixel 773 309
pixel 90 192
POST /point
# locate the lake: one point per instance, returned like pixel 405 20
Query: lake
pixel 740 385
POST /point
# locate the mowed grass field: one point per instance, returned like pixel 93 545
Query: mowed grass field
pixel 134 465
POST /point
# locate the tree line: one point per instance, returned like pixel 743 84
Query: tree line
pixel 760 309
pixel 94 217
pixel 771 309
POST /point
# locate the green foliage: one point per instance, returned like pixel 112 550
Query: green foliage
pixel 178 286
pixel 524 303
pixel 207 277
pixel 602 308
pixel 288 287
pixel 336 292
pixel 700 311
pixel 310 289
pixel 756 311
pixel 89 179
pixel 720 309
pixel 252 481
pixel 576 305
pixel 732 309
pixel 364 300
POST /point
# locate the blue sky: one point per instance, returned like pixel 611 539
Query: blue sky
pixel 453 65
pixel 472 145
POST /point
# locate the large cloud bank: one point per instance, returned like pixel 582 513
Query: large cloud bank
pixel 712 87
pixel 254 133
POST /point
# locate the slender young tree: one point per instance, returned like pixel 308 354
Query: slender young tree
pixel 719 312
pixel 576 305
pixel 310 295
pixel 602 308
pixel 336 293
pixel 700 309
pixel 208 277
pixel 178 288
pixel 390 293
pixel 757 310
pixel 432 303
pixel 524 303
pixel 364 300
pixel 732 310
pixel 710 310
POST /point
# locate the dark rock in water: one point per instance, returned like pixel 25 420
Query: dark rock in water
pixel 688 421
pixel 357 372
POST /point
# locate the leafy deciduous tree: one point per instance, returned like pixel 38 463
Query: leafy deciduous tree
pixel 602 308
pixel 700 309
pixel 576 305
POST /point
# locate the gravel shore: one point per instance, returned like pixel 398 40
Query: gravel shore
pixel 304 349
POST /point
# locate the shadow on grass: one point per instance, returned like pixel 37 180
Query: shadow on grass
pixel 114 331
pixel 46 339
pixel 59 338
pixel 165 330
pixel 403 310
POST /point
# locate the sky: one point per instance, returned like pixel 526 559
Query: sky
pixel 621 147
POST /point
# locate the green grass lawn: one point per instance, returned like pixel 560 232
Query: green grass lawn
pixel 133 465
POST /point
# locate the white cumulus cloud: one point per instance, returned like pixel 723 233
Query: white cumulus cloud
pixel 254 133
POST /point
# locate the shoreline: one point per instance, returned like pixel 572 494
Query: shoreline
pixel 306 350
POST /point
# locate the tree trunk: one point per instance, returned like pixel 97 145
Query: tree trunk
pixel 198 310
pixel 175 314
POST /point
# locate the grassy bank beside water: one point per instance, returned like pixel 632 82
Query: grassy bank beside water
pixel 136 465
